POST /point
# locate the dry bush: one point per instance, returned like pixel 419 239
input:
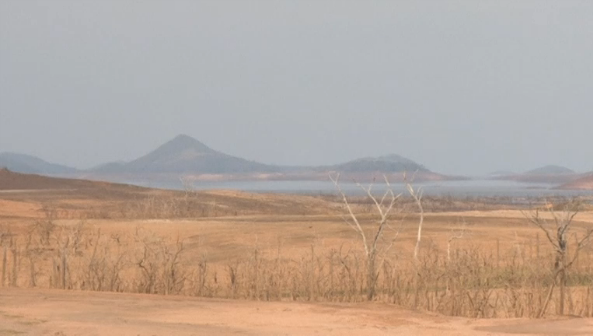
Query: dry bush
pixel 557 231
pixel 156 207
pixel 159 262
pixel 455 278
pixel 468 281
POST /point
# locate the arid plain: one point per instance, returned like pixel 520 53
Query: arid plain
pixel 93 258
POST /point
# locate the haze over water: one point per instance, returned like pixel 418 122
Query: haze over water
pixel 468 188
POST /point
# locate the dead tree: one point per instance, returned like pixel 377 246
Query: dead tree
pixel 556 229
pixel 455 234
pixel 372 248
pixel 417 196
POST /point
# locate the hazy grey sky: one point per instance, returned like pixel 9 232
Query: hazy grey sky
pixel 460 86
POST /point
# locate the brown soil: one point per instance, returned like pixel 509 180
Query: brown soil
pixel 74 198
pixel 293 223
pixel 64 313
pixel 16 181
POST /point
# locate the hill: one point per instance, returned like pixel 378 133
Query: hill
pixel 550 170
pixel 583 183
pixel 547 174
pixel 184 154
pixel 188 156
pixel 388 164
pixel 33 165
pixel 26 195
pixel 10 180
pixel 501 173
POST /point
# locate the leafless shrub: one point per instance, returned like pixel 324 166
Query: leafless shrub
pixel 44 228
pixel 373 248
pixel 557 232
pixel 160 265
pixel 457 277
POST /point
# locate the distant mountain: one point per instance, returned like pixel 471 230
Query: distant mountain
pixel 583 183
pixel 547 174
pixel 109 167
pixel 32 165
pixel 502 173
pixel 389 164
pixel 184 154
pixel 550 170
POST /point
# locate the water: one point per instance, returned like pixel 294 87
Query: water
pixel 467 188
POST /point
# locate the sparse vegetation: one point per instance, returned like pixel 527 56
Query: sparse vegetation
pixel 557 234
pixel 61 242
pixel 454 276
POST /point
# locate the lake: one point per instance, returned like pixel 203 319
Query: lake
pixel 466 188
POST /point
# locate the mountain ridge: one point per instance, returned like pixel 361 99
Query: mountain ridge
pixel 553 174
pixel 550 169
pixel 186 155
pixel 30 164
pixel 583 183
pixel 385 163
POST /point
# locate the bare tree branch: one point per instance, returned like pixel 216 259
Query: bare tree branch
pixel 373 249
pixel 356 225
pixel 417 196
pixel 562 223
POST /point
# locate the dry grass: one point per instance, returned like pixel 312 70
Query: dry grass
pixel 283 247
pixel 475 279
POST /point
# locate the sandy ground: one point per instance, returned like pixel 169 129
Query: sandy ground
pixel 65 313
pixel 285 224
pixel 585 216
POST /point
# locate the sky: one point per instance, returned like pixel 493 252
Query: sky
pixel 462 87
